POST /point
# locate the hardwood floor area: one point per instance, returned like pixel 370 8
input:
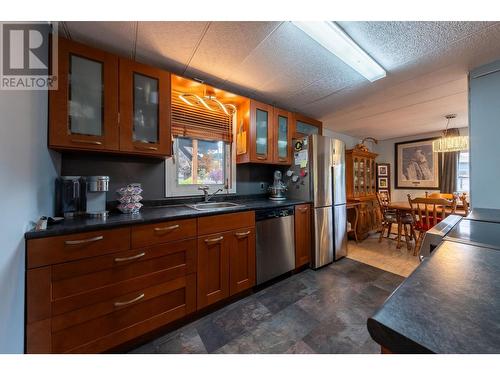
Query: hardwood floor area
pixel 383 255
pixel 322 311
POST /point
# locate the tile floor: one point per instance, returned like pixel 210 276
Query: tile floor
pixel 383 255
pixel 322 311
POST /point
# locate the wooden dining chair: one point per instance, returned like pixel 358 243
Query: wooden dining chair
pixel 426 213
pixel 440 195
pixel 390 217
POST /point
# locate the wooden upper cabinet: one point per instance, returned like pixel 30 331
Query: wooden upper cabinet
pixel 264 134
pixel 360 174
pixel 304 126
pixel 83 111
pixel 261 132
pixel 144 109
pixel 282 138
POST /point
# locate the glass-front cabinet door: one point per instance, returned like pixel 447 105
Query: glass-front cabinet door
pixel 144 109
pixel 282 137
pixel 261 117
pixel 83 111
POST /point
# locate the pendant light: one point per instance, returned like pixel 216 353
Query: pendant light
pixel 450 144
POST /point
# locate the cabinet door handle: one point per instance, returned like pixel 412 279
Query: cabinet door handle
pixel 88 142
pixel 241 235
pixel 214 240
pixel 124 303
pixel 150 148
pixel 163 229
pixel 261 157
pixel 78 242
pixel 130 258
pixel 303 209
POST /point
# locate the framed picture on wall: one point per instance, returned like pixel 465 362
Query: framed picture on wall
pixel 384 178
pixel 383 183
pixel 382 170
pixel 417 166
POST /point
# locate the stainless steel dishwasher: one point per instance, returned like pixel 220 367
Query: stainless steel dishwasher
pixel 275 242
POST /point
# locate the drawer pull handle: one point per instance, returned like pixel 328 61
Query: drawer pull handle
pixel 138 298
pixel 261 157
pixel 244 234
pixel 214 240
pixel 172 227
pixel 88 142
pixel 130 258
pixel 78 242
pixel 151 148
pixel 302 209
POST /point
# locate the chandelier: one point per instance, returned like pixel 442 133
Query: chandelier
pixel 450 144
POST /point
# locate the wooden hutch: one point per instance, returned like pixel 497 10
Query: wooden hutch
pixel 361 186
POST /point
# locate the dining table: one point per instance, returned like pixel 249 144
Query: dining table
pixel 404 207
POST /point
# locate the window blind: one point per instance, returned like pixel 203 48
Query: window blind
pixel 196 121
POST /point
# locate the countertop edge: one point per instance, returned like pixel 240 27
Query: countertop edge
pixel 55 231
pixel 392 340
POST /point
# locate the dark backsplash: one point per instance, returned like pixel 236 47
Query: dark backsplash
pixel 123 170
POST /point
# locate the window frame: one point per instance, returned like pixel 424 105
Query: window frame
pixel 172 189
pixel 458 174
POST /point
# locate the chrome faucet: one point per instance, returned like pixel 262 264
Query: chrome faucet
pixel 205 192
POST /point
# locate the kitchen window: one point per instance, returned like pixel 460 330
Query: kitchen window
pixel 198 162
pixel 463 178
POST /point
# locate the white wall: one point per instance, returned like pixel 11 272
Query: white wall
pixel 385 149
pixel 350 142
pixel 27 172
pixel 484 119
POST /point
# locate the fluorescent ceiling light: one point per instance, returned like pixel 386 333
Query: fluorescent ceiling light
pixel 335 40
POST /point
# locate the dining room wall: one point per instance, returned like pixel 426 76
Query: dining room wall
pixel 385 151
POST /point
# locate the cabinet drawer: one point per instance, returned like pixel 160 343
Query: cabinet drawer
pixel 225 222
pixel 146 235
pixel 103 273
pixel 59 249
pixel 104 325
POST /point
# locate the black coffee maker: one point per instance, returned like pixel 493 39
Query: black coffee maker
pixel 70 196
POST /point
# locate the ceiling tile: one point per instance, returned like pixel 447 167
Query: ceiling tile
pixel 393 43
pixel 116 37
pixel 169 44
pixel 288 61
pixel 226 44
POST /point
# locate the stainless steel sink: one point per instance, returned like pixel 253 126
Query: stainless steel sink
pixel 214 206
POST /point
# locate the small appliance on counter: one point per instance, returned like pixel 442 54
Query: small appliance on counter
pixel 95 195
pixel 69 198
pixel 278 188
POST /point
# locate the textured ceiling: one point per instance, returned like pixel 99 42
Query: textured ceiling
pixel 426 63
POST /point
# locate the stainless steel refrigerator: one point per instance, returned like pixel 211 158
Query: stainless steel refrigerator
pixel 319 175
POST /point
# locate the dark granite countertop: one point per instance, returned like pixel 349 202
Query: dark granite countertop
pixel 449 304
pixel 152 214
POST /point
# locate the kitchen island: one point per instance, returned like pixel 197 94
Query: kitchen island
pixel 449 304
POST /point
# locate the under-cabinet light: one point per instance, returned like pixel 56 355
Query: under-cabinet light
pixel 335 40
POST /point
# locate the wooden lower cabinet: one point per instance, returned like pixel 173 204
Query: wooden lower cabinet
pixel 213 268
pixel 302 235
pixel 92 292
pixel 242 260
pixel 226 265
